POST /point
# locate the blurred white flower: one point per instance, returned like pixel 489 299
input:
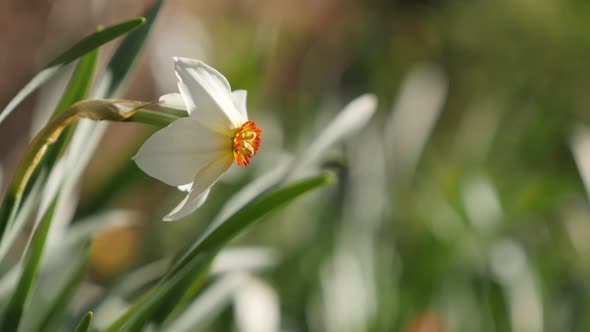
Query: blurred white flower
pixel 193 153
pixel 256 307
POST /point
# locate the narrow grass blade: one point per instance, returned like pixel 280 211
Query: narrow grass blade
pixel 57 307
pixel 349 121
pixel 207 306
pixel 167 293
pixel 126 54
pixel 28 278
pixel 28 206
pixel 219 236
pixel 192 268
pixel 125 317
pixel 82 47
pixel 79 83
pixel 253 189
pixel 77 90
pixel 84 325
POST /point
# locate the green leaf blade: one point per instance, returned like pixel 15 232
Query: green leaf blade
pixel 84 46
pixel 28 278
pixel 59 304
pixel 251 213
pixel 80 82
pixel 127 53
pixel 84 325
pixel 192 268
pixel 97 39
pixel 27 208
pixel 77 90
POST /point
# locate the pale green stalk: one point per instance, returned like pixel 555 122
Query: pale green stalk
pixel 104 109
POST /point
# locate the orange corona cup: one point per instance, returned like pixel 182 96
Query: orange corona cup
pixel 246 143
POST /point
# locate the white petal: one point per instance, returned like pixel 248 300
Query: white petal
pixel 185 187
pixel 187 207
pixel 207 95
pixel 239 99
pixel 174 154
pixel 173 100
pixel 208 175
pixel 205 178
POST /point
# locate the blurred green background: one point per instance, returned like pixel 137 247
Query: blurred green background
pixel 462 206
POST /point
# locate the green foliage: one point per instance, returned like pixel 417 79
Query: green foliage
pixel 93 41
pixel 77 90
pixel 84 324
pixel 127 53
pixel 30 272
pixel 56 308
pixel 194 263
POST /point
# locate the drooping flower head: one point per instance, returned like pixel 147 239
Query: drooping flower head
pixel 193 153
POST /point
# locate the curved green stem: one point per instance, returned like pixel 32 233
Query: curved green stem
pixel 157 119
pixel 172 111
pixel 104 109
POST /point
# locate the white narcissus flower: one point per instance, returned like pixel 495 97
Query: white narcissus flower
pixel 192 153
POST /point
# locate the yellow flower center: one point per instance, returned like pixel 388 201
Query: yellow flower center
pixel 246 143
